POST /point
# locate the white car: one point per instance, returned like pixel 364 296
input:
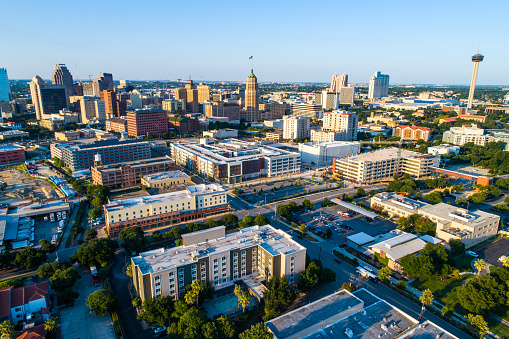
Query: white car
pixel 473 254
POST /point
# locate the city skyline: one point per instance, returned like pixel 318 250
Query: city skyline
pixel 422 46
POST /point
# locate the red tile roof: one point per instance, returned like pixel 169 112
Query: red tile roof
pixel 5 301
pixel 36 291
pixel 17 297
pixel 414 127
pixel 45 310
pixel 36 332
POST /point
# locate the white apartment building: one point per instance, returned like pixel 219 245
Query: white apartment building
pixel 322 154
pixel 378 86
pixel 341 121
pixel 444 149
pixel 296 127
pixel 252 254
pixel 471 227
pixel 325 135
pixel 380 165
pixel 235 161
pixel 221 133
pixel 465 134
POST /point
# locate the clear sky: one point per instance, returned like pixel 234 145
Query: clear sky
pixel 412 41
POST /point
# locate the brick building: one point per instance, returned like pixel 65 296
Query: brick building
pixel 184 124
pixel 10 154
pixel 144 122
pixel 118 125
pixel 127 174
pixel 407 132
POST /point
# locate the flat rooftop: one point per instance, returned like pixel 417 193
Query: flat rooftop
pixel 358 315
pixel 8 148
pixel 135 163
pixel 165 176
pixel 188 192
pixel 271 239
pixel 452 213
pixel 384 154
pixel 400 202
pixel 331 144
pixel 38 208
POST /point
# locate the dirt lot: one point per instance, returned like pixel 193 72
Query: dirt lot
pixel 22 188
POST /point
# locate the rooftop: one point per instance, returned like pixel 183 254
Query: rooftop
pixel 448 213
pixel 188 192
pixel 384 154
pixel 328 144
pixel 165 176
pixel 8 148
pixel 136 163
pixel 271 239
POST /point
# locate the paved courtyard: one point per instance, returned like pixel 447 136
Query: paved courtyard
pixel 78 321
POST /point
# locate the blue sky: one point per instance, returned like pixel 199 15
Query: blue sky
pixel 412 41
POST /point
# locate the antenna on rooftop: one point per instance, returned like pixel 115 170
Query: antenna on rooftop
pixel 77 76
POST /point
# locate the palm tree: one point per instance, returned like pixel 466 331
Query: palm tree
pixel 505 262
pixel 243 297
pixel 426 299
pixel 6 329
pixel 479 265
pixel 51 324
pixel 191 297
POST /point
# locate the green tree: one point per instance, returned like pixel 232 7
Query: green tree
pixel 97 252
pixel 133 239
pixel 64 278
pixel 410 265
pixel 328 233
pixel 67 296
pixel 461 202
pixel 157 310
pixel 129 270
pixel 261 220
pixel 102 301
pixel 258 331
pixel 478 323
pixel 278 296
pixel 348 286
pixel 249 220
pixel 7 329
pixel 226 327
pixel 47 270
pixel 210 331
pixel 95 213
pixel 401 285
pixel 243 297
pixel 90 234
pixel 302 229
pixel 230 219
pixel 310 277
pixel 481 294
pixel 426 299
pixel 136 302
pixel 47 246
pixel 51 324
pixel 479 265
pixel 283 210
pixel 384 274
pixel 191 323
pixel 29 257
pixel 477 198
pixel 325 202
pixel 457 247
pixel 360 192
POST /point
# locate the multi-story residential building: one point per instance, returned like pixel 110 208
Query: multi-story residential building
pixel 235 161
pixel 338 81
pixel 47 99
pixel 62 76
pixel 252 95
pixel 5 87
pixel 347 96
pixel 212 255
pixel 328 100
pixel 100 110
pixel 10 154
pixel 221 109
pixel 378 86
pixel 145 122
pixel 164 210
pixel 110 104
pixel 408 132
pixel 166 179
pixel 18 303
pixel 118 125
pixel 444 149
pixel 382 164
pixel 274 123
pixel 471 227
pixel 323 153
pixel 184 124
pixel 341 121
pixel 81 156
pixel 307 110
pixel 127 174
pixel 174 106
pixel 326 135
pixel 296 127
pixel 274 136
pixel 465 134
pixel 272 110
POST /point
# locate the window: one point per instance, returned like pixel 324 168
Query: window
pixel 17 309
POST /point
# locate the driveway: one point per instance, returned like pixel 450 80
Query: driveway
pixel 79 321
pixel 127 313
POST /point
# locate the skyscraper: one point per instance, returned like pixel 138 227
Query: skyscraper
pixel 252 98
pixel 296 127
pixel 192 97
pixel 378 86
pixel 203 93
pixel 103 82
pixel 476 59
pixel 5 87
pixel 110 102
pixel 338 81
pixel 62 76
pixel 47 99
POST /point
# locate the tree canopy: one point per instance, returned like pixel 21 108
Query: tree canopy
pixel 97 252
pixel 102 301
pixel 133 239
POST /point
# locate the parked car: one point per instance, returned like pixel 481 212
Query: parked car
pixel 338 261
pixel 473 254
pixel 159 329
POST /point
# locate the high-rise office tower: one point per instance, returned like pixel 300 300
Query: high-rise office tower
pixel 192 103
pixel 103 82
pixel 252 99
pixel 62 76
pixel 5 87
pixel 476 59
pixel 338 81
pixel 203 93
pixel 347 95
pixel 378 86
pixel 47 99
pixel 110 103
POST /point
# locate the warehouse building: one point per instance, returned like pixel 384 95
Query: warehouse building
pixel 323 153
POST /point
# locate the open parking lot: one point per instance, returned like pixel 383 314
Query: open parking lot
pixel 78 321
pixel 490 253
pixel 44 230
pixel 347 226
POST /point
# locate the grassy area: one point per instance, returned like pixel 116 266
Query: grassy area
pixel 444 291
pixel 383 261
pixel 499 329
pixel 116 325
pixel 79 218
pixel 463 263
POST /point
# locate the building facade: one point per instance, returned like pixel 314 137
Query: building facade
pixel 407 132
pixel 165 210
pixel 341 121
pixel 174 106
pixel 127 174
pixel 118 125
pixel 47 99
pixel 347 96
pixel 221 109
pixel 5 86
pixel 378 86
pixel 338 81
pixel 10 154
pixel 62 76
pixel 465 134
pixel 272 110
pixel 323 153
pixel 110 104
pixel 312 111
pixel 166 179
pixel 213 256
pixel 380 165
pixel 145 122
pixel 252 95
pixel 296 127
pixel 325 136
